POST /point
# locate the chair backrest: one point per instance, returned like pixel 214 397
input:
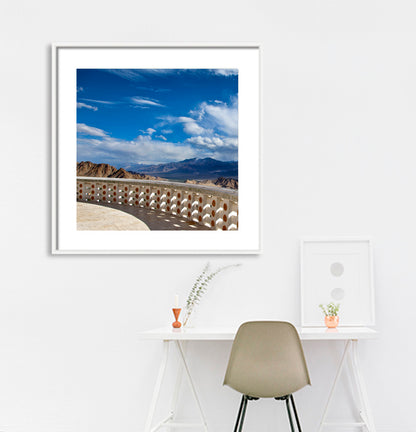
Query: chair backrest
pixel 267 360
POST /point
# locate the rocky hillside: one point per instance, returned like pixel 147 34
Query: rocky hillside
pixel 227 182
pixel 224 182
pixel 90 169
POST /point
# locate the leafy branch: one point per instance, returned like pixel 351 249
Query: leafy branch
pixel 330 309
pixel 200 287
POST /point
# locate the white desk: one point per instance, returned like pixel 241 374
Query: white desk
pixel 350 335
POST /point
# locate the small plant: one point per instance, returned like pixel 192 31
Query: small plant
pixel 330 309
pixel 200 287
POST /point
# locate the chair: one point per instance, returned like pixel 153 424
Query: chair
pixel 267 361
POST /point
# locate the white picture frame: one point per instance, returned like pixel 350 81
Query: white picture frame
pixel 66 59
pixel 338 270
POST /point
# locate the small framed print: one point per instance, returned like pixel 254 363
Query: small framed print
pixel 156 148
pixel 339 271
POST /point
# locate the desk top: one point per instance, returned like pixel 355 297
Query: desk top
pixel 228 334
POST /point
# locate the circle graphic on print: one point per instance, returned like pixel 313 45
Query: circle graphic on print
pixel 337 269
pixel 337 293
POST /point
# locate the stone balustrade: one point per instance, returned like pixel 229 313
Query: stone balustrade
pixel 214 207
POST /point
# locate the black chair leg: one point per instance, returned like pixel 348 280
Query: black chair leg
pixel 243 414
pixel 239 414
pixel 243 407
pixel 289 414
pixel 296 413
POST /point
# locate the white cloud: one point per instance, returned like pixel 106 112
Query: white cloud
pixel 83 129
pixel 139 74
pixel 202 142
pixel 161 137
pixel 225 72
pixel 213 128
pixel 224 117
pixel 231 142
pixel 150 131
pixel 84 105
pixel 213 142
pixel 142 149
pixel 216 117
pixel 129 74
pixel 190 126
pixel 141 101
pixel 146 148
pixel 100 101
pixel 198 113
pixel 153 150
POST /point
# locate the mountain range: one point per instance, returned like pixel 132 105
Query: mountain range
pixel 189 169
pixel 206 171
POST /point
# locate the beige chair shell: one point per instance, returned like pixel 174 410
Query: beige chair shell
pixel 267 360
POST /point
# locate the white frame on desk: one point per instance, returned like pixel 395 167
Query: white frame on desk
pixel 312 295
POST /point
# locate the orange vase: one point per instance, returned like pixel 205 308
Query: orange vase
pixel 331 321
pixel 176 323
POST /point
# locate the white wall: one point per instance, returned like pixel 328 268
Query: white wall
pixel 339 132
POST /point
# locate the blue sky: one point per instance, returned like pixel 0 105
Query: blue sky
pixel 151 116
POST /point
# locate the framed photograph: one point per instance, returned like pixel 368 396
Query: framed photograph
pixel 156 148
pixel 339 271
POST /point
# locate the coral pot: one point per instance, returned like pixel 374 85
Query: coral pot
pixel 332 321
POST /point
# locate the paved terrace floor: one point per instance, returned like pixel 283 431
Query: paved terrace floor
pixel 114 217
